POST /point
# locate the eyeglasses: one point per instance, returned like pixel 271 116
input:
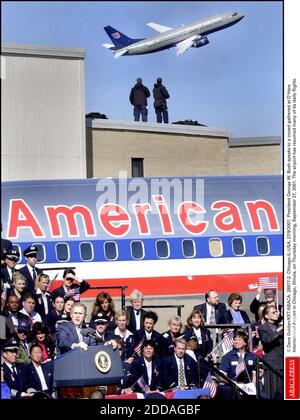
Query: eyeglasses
pixel 69 278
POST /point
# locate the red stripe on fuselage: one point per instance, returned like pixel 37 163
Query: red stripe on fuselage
pixel 180 285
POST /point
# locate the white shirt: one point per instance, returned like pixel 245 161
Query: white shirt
pixel 197 333
pixel 31 270
pixel 45 300
pixel 40 372
pixel 148 335
pixel 78 331
pixel 138 319
pixel 124 337
pixel 149 370
pixel 209 309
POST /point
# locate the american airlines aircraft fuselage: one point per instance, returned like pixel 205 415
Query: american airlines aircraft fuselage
pixel 183 37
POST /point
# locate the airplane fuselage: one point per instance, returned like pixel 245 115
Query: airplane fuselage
pixel 172 37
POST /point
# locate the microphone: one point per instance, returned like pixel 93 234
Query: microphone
pixel 88 332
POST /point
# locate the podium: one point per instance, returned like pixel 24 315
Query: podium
pixel 77 373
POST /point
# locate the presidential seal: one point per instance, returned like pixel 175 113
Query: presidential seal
pixel 102 361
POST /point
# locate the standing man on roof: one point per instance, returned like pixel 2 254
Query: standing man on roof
pixel 138 98
pixel 160 95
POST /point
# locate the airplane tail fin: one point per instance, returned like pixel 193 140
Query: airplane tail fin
pixel 119 40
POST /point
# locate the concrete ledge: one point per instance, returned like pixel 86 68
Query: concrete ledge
pixel 155 127
pixel 44 50
pixel 254 141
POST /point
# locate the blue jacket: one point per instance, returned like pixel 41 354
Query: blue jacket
pixel 229 364
pixel 32 379
pixel 66 335
pixel 15 382
pixel 40 307
pixel 29 280
pixel 207 344
pixel 138 369
pixel 170 371
pixel 132 324
pixel 220 312
pixel 60 291
pixel 140 336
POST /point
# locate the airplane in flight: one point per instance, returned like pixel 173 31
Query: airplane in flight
pixel 163 236
pixel 183 37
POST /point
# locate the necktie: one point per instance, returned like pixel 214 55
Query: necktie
pixel 181 374
pixel 30 321
pixel 14 369
pixel 212 317
pixel 137 313
pixel 33 274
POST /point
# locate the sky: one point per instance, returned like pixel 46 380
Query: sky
pixel 234 82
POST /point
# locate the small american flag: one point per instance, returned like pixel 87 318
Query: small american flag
pixel 51 283
pixel 240 367
pixel 228 339
pixel 74 293
pixel 211 385
pixel 137 348
pixel 268 282
pixel 143 385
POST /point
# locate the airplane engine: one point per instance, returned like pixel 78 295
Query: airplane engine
pixel 201 42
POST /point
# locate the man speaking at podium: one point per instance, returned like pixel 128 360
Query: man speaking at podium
pixel 69 335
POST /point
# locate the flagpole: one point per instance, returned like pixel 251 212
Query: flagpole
pixel 218 345
pixel 277 303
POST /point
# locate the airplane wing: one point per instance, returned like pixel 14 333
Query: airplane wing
pixel 159 28
pixel 118 54
pixel 108 46
pixel 182 46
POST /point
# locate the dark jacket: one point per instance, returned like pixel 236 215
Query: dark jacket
pixel 29 280
pixel 207 344
pixel 66 335
pixel 132 323
pixel 220 312
pixel 32 379
pixel 139 94
pixel 170 371
pixel 60 291
pixel 15 382
pixel 140 336
pixel 40 307
pixel 254 306
pixel 272 342
pixel 138 369
pixel 230 362
pixel 160 95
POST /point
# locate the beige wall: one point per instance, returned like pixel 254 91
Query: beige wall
pixel 165 154
pixel 254 160
pixel 42 113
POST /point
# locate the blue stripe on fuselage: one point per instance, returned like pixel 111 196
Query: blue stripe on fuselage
pixel 175 245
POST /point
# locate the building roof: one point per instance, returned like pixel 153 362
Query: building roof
pixel 155 127
pixel 42 50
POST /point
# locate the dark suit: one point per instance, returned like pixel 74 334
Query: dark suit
pixel 15 382
pixel 207 345
pixel 60 291
pixel 5 275
pixel 170 371
pixel 30 286
pixel 229 364
pixel 40 307
pixel 138 369
pixel 272 342
pixel 220 312
pixel 66 335
pixel 243 314
pixel 167 344
pixel 132 323
pixel 32 379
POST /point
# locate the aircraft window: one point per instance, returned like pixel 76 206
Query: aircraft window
pixel 262 246
pixel 86 251
pixel 62 252
pixel 188 248
pixel 110 250
pixel 18 248
pixel 137 250
pixel 41 255
pixel 215 247
pixel 162 249
pixel 238 246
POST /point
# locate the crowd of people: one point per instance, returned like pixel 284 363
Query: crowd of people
pixel 42 323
